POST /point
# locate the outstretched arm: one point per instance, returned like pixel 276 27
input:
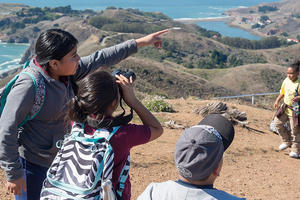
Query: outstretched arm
pixel 113 55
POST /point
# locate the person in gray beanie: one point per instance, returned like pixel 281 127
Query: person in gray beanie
pixel 198 157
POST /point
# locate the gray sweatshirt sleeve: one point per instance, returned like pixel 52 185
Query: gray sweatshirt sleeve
pixel 19 103
pixel 105 57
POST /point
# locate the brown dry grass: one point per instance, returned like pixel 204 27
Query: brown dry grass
pixel 253 168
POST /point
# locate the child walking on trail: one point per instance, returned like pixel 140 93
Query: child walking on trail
pixel 26 153
pixel 289 111
pixel 98 97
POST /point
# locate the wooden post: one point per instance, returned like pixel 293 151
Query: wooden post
pixel 253 100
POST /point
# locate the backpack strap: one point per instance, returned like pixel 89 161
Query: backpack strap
pixel 78 131
pixel 297 93
pixel 4 93
pixel 125 170
pixel 123 177
pixel 39 91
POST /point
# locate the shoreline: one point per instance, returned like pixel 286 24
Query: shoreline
pixel 9 66
pixel 15 43
pixel 206 19
pixel 228 20
pixel 256 33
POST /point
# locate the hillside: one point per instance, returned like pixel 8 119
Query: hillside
pixel 251 160
pixel 254 78
pixel 190 63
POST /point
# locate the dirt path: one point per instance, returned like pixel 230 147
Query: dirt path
pixel 253 168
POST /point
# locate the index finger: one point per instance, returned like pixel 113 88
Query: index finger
pixel 160 32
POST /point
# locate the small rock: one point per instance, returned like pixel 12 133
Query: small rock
pixel 173 125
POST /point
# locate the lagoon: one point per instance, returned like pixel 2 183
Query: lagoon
pixel 224 29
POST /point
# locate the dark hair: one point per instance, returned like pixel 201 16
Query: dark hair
pixel 295 66
pixel 53 44
pixel 96 92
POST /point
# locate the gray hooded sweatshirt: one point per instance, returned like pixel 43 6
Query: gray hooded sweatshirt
pixel 36 141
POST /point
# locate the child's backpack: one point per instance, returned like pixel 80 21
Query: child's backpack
pixel 39 91
pixel 82 169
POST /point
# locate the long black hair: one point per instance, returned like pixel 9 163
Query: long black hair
pixel 53 44
pixel 96 92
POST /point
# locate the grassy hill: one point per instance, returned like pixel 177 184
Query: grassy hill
pixel 190 62
pixel 252 78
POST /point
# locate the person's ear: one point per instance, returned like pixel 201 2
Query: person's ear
pixel 217 170
pixel 53 64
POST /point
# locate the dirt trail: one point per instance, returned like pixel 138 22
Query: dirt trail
pixel 253 168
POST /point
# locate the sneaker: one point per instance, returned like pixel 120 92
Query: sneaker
pixel 283 146
pixel 293 155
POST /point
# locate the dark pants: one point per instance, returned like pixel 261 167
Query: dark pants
pixel 34 176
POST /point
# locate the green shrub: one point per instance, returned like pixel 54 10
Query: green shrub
pixel 264 18
pixel 130 27
pixel 111 8
pixel 158 105
pixel 99 21
pixel 265 9
pixel 264 43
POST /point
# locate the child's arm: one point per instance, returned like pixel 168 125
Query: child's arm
pixel 296 99
pixel 145 115
pixel 113 55
pixel 280 96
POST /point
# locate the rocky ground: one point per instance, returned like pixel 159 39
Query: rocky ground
pixel 253 167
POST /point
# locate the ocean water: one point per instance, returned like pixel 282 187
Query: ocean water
pixel 10 54
pixel 172 8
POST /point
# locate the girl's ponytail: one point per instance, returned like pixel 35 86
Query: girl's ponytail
pixel 76 112
pixel 96 93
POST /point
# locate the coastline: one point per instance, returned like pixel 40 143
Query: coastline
pixel 206 19
pixel 245 18
pixel 231 24
pixel 15 43
pixel 11 58
pixel 229 20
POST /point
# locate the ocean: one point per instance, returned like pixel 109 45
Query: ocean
pixel 10 53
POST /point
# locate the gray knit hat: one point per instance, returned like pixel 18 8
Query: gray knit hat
pixel 200 148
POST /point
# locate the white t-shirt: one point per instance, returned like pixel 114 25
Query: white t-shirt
pixel 172 190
